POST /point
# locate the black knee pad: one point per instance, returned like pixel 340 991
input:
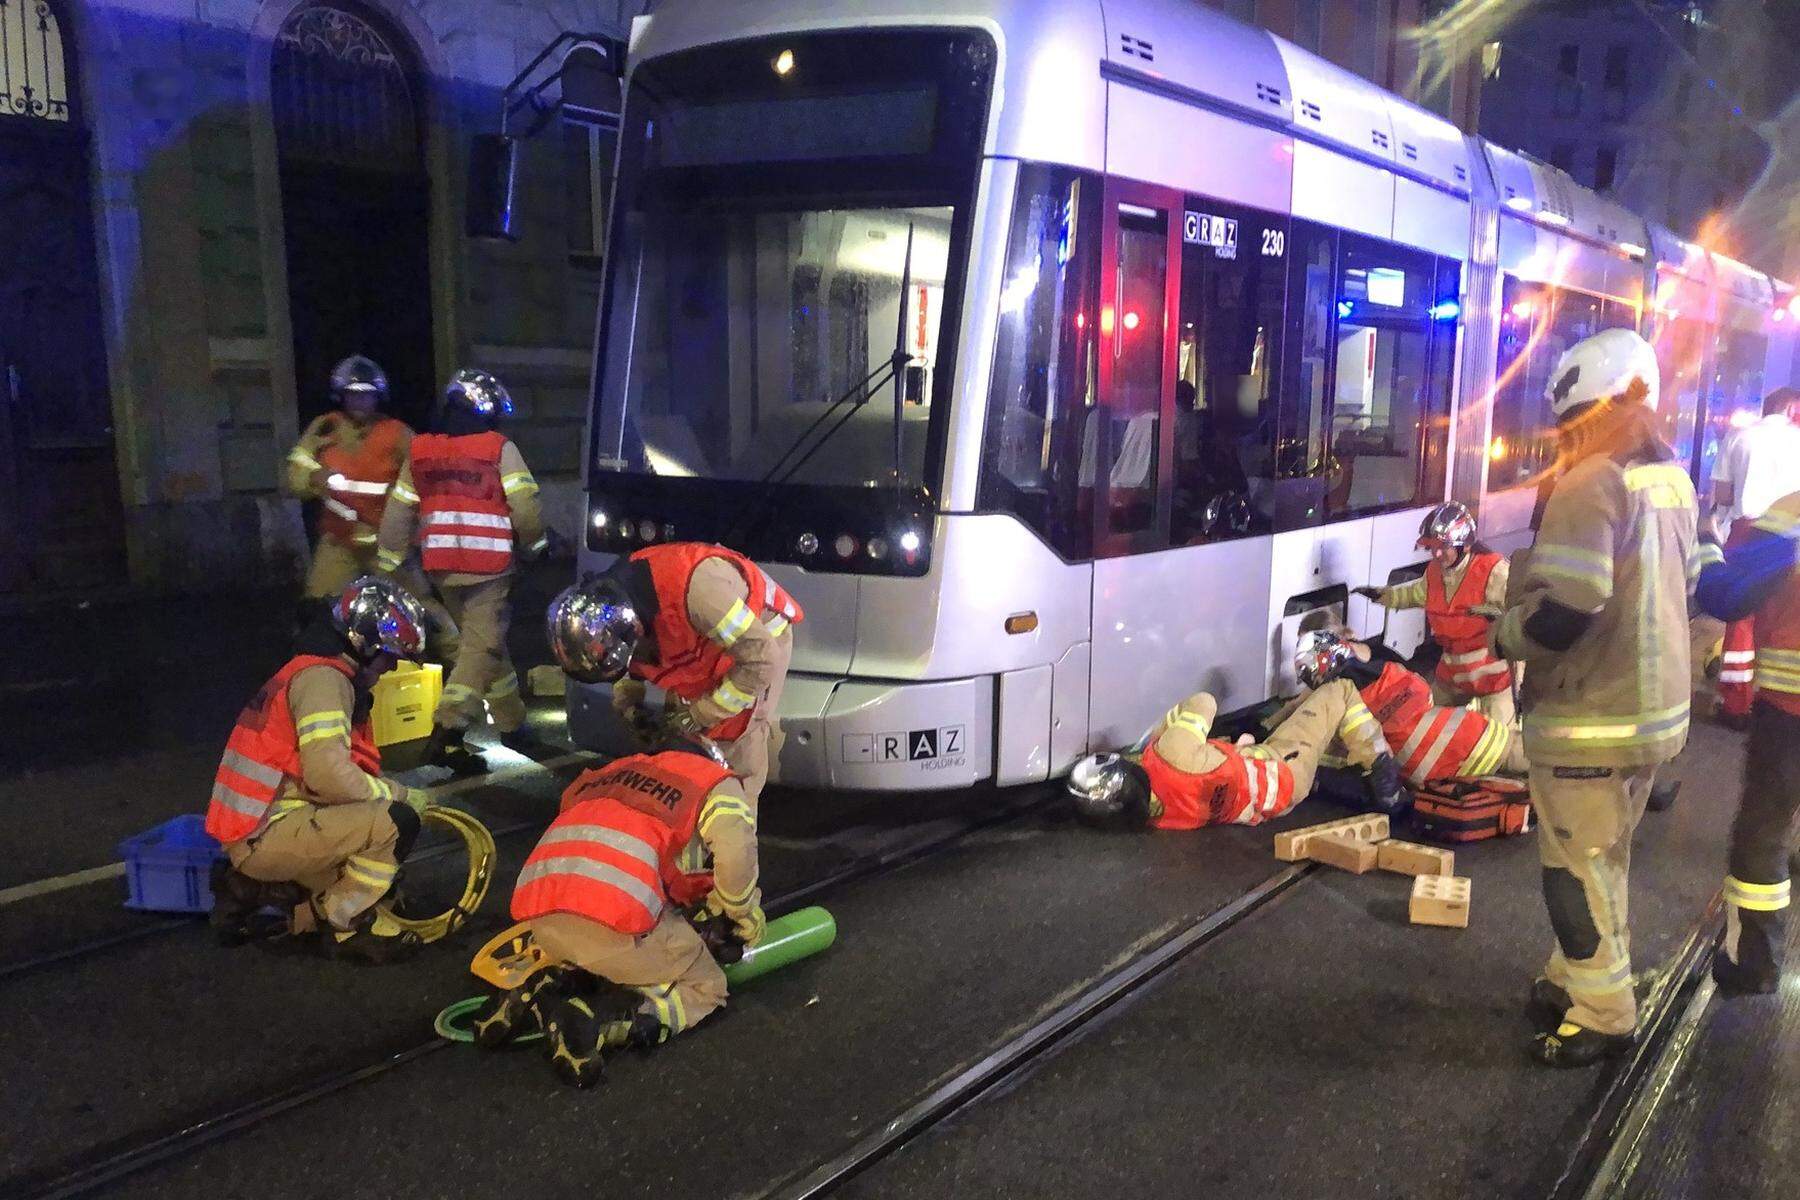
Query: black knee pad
pixel 1569 914
pixel 407 822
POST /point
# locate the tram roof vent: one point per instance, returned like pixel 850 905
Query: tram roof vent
pixel 1136 47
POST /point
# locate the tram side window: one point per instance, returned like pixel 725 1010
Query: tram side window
pixel 1735 397
pixel 1122 441
pixel 1045 359
pixel 1228 347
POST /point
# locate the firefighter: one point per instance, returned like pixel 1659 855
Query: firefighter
pixel 1463 587
pixel 699 621
pixel 1430 741
pixel 1182 778
pixel 299 804
pixel 605 892
pixel 1755 578
pixel 467 494
pixel 1598 612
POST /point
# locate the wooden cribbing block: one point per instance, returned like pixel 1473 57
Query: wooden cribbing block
pixel 1342 851
pixel 1410 858
pixel 1370 827
pixel 1440 900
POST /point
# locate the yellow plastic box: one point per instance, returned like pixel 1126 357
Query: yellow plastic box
pixel 405 698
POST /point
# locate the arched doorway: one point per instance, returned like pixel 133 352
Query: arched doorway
pixel 60 520
pixel 349 119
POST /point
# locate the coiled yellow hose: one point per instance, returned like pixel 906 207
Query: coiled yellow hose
pixel 480 844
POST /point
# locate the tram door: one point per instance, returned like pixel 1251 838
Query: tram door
pixel 1127 454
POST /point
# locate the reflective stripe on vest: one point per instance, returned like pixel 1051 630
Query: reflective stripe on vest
pixel 690 663
pixel 1429 742
pixel 465 524
pixel 1467 664
pixel 358 479
pixel 613 855
pixel 263 751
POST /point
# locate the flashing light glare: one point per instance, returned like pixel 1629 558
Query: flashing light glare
pixel 784 62
pixel 1743 418
pixel 1779 314
pixel 1106 321
pixel 1553 218
pixel 1519 203
pixel 1633 249
pixel 1344 308
pixel 1081 320
pixel 910 541
pixel 1020 288
pixel 1131 320
pixel 1497 449
pixel 1522 309
pixel 1445 310
pixel 1793 307
pixel 599 518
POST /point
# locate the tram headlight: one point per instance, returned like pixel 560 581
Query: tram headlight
pixel 807 544
pixel 877 547
pixel 647 530
pixel 784 63
pixel 599 520
pixel 910 541
pixel 844 546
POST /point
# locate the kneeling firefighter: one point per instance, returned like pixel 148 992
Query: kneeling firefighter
pixel 1430 741
pixel 1599 613
pixel 1183 779
pixel 299 804
pixel 604 894
pixel 468 496
pixel 700 621
pixel 1463 584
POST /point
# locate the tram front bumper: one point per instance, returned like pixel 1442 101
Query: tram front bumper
pixel 849 734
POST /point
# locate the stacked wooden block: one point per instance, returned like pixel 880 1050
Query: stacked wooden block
pixel 1361 844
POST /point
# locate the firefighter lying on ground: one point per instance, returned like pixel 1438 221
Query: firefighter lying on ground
pixel 470 501
pixel 1429 741
pixel 1462 590
pixel 701 622
pixel 605 892
pixel 1183 778
pixel 1756 578
pixel 307 820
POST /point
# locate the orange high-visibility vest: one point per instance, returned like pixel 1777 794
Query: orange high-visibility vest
pixel 611 856
pixel 689 664
pixel 358 479
pixel 1429 742
pixel 1245 789
pixel 465 524
pixel 1467 664
pixel 264 751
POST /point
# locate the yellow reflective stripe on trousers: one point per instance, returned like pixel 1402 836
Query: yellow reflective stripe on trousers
pixel 1632 729
pixel 733 625
pixel 323 725
pixel 732 698
pixel 458 693
pixel 1775 521
pixel 518 481
pixel 1758 897
pixel 665 1004
pixel 403 493
pixel 371 872
pixel 1356 716
pixel 506 685
pixel 1488 751
pixel 1598 979
pixel 725 806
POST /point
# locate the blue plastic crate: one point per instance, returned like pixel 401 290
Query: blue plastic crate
pixel 169 868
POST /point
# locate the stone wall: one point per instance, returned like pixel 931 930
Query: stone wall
pixel 187 203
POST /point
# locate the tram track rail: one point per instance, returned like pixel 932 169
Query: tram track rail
pixel 132 1156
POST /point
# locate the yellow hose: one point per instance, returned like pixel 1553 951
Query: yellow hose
pixel 480 843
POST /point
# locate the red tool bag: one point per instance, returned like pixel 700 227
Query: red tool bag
pixel 1472 810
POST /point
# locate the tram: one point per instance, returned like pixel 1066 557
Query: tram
pixel 1065 356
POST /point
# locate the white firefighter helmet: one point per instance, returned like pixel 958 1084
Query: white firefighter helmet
pixel 1450 525
pixel 1613 364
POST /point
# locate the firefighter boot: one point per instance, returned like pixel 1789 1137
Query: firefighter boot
pixel 1571 1045
pixel 375 939
pixel 1662 795
pixel 510 1013
pixel 640 1031
pixel 1387 794
pixel 523 741
pixel 238 901
pixel 1547 1004
pixel 446 749
pixel 572 1039
pixel 1749 963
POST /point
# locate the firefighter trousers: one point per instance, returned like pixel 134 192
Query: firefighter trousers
pixel 1325 715
pixel 669 966
pixel 346 855
pixel 1757 889
pixel 335 564
pixel 760 744
pixel 483 675
pixel 1586 817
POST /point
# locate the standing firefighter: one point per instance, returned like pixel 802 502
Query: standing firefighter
pixel 306 818
pixel 604 893
pixel 1600 615
pixel 1462 584
pixel 699 621
pixel 348 460
pixel 1184 779
pixel 467 495
pixel 1758 580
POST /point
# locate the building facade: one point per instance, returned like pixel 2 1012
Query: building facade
pixel 206 203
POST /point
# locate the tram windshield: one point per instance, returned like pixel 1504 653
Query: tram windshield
pixel 787 260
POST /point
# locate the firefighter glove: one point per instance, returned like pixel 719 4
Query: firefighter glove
pixel 678 719
pixel 418 799
pixel 1488 612
pixel 1368 593
pixel 747 920
pixel 628 694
